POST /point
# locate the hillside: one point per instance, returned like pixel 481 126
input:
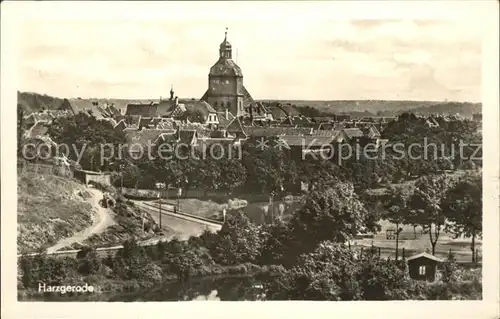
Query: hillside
pixel 387 108
pixel 32 102
pixel 49 208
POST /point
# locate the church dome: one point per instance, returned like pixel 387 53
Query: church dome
pixel 225 67
pixel 225 45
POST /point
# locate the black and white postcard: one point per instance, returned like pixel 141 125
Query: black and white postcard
pixel 250 151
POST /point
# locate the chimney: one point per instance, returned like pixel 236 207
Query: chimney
pixel 227 114
pixel 171 93
pixel 176 101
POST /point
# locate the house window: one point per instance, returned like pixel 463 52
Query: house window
pixel 421 270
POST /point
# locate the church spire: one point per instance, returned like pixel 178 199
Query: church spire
pixel 171 91
pixel 225 50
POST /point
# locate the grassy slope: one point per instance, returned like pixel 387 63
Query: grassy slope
pixel 48 210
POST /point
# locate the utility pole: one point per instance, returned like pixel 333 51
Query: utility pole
pixel 159 186
pixel 121 177
pixel 179 192
pixel 159 207
pixel 143 231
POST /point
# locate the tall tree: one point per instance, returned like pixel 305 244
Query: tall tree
pixel 426 201
pixel 335 272
pixel 84 133
pixel 238 241
pixel 397 211
pixel 463 209
pixel 334 213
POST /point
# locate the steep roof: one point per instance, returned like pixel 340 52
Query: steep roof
pixel 277 112
pixel 165 107
pixel 223 122
pixel 147 110
pixel 373 131
pixel 236 127
pixel 247 98
pixel 86 105
pixel 200 106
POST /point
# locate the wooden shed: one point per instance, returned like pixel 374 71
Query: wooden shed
pixel 423 266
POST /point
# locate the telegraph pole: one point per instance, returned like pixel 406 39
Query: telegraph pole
pixel 159 186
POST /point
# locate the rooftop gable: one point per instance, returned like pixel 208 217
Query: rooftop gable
pixel 424 255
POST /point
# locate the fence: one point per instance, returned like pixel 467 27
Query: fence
pixel 141 193
pixel 385 252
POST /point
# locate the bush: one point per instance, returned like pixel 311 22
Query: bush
pixel 152 272
pixel 448 270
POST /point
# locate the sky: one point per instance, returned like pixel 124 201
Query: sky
pixel 306 54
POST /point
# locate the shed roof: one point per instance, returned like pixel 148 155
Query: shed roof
pixel 424 255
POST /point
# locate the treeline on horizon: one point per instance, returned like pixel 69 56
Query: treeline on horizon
pixel 32 102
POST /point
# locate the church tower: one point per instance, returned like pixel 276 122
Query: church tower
pixel 225 83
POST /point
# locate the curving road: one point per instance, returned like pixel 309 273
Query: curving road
pixel 183 226
pixel 101 220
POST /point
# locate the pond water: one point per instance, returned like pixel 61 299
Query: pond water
pixel 200 289
pixel 235 288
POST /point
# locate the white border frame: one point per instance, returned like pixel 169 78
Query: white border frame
pixel 486 13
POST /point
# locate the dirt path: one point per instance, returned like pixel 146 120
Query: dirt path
pixel 101 220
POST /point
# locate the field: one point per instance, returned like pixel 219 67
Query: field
pixel 49 208
pixel 460 247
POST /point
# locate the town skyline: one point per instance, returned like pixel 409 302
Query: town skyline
pixel 323 59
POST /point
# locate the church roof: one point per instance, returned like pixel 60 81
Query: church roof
pixel 225 67
pixel 247 98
